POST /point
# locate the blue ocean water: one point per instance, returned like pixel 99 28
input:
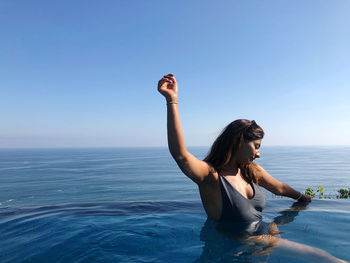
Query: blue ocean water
pixel 135 205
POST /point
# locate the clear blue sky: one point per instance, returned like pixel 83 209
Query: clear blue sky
pixel 84 73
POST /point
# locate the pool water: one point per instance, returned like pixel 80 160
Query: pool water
pixel 134 205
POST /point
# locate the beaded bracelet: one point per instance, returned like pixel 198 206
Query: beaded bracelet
pixel 172 102
pixel 299 196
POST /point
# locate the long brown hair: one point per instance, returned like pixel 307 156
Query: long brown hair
pixel 228 142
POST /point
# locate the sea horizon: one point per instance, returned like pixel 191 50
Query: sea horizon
pixel 142 147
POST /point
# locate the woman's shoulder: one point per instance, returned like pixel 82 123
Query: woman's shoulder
pixel 257 171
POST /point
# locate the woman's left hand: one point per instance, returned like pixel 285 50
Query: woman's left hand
pixel 305 198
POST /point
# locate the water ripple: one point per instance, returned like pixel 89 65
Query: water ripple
pixel 104 209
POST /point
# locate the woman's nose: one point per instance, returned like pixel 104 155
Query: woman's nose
pixel 257 155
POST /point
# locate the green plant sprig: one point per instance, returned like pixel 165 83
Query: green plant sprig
pixel 343 193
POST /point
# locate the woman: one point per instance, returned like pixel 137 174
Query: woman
pixel 227 178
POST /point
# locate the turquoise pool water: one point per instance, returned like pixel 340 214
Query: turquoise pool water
pixel 134 205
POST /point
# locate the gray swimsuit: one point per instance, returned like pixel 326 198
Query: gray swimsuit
pixel 237 208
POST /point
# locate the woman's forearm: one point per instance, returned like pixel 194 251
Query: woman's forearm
pixel 195 169
pixel 176 141
pixel 167 86
pixel 292 193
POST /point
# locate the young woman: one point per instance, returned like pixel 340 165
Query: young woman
pixel 229 181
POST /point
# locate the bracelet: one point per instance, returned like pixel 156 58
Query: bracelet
pixel 172 102
pixel 299 196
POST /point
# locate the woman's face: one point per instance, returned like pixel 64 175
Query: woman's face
pixel 249 151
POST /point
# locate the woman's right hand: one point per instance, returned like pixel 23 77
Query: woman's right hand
pixel 167 86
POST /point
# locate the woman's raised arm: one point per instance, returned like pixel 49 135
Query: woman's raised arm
pixel 194 168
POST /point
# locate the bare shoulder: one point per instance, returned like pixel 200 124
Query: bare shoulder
pixel 257 167
pixel 258 171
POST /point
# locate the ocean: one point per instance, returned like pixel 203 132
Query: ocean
pixel 135 205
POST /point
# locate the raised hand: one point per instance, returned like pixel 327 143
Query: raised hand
pixel 167 86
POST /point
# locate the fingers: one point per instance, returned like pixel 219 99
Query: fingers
pixel 167 82
pixel 164 84
pixel 167 78
pixel 161 82
pixel 305 198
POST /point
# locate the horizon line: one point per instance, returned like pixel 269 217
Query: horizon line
pixel 191 146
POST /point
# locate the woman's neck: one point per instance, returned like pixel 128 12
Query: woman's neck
pixel 230 169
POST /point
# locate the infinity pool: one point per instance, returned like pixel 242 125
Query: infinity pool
pixel 134 205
